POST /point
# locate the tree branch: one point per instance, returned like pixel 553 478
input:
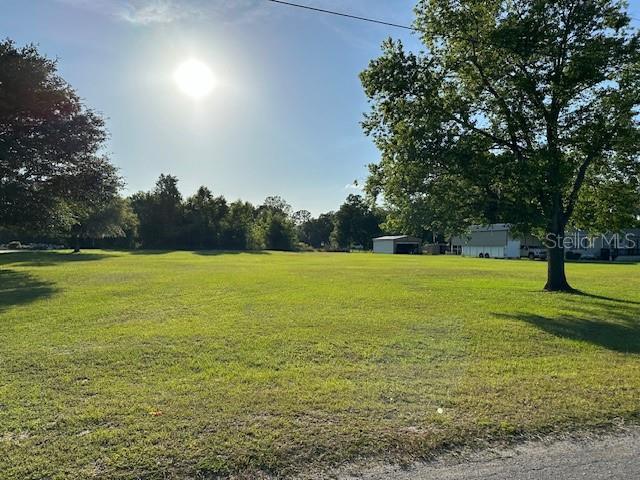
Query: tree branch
pixel 577 185
pixel 503 105
pixel 497 140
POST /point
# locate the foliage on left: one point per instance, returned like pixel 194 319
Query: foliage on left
pixel 54 176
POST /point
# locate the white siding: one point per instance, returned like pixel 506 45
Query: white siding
pixel 383 246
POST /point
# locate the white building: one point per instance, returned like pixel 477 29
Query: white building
pixel 493 241
pixel 397 244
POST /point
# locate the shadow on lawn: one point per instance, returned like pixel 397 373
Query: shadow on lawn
pixel 208 253
pixel 198 252
pixel 46 259
pixel 580 293
pixel 611 323
pixel 604 262
pixel 150 252
pixel 17 288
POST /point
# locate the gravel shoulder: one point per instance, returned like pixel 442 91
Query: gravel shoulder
pixel 605 456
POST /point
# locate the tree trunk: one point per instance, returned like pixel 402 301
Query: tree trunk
pixel 77 247
pixel 556 278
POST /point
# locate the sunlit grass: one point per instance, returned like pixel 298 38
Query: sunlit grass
pixel 122 365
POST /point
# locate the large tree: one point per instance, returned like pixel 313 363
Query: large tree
pixel 274 227
pixel 161 214
pixel 518 111
pixel 51 167
pixel 317 231
pixel 112 219
pixel 356 222
pixel 237 224
pixel 204 216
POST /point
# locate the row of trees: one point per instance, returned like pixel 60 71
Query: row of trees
pixel 205 221
pixel 162 219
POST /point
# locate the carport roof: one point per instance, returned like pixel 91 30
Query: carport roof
pixel 398 237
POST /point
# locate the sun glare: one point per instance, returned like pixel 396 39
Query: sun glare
pixel 194 79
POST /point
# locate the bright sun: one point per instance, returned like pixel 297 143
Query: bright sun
pixel 194 79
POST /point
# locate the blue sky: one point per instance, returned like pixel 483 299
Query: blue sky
pixel 283 119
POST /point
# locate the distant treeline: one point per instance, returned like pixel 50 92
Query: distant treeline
pixel 163 219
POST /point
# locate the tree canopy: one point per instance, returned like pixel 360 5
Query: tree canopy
pixel 274 226
pixel 161 213
pixel 520 112
pixel 52 171
pixel 111 219
pixel 356 223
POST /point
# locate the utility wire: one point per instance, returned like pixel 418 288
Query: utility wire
pixel 340 14
pixel 356 17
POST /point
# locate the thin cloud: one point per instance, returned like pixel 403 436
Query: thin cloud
pixel 105 7
pixel 137 12
pixel 154 12
pixel 157 11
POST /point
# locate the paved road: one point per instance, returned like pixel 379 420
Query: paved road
pixel 612 457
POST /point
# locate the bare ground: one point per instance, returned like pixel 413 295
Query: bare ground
pixel 612 456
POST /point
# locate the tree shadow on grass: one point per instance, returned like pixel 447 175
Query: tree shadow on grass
pixel 605 262
pixel 18 288
pixel 46 259
pixel 580 293
pixel 607 324
pixel 150 252
pixel 199 252
pixel 209 253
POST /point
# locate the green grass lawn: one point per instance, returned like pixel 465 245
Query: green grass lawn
pixel 182 365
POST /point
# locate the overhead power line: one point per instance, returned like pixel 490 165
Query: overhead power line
pixel 346 15
pixel 356 17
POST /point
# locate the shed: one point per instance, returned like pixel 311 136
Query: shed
pixel 397 244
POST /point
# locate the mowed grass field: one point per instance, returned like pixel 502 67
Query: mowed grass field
pixel 201 364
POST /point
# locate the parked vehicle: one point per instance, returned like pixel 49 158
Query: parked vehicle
pixel 533 253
